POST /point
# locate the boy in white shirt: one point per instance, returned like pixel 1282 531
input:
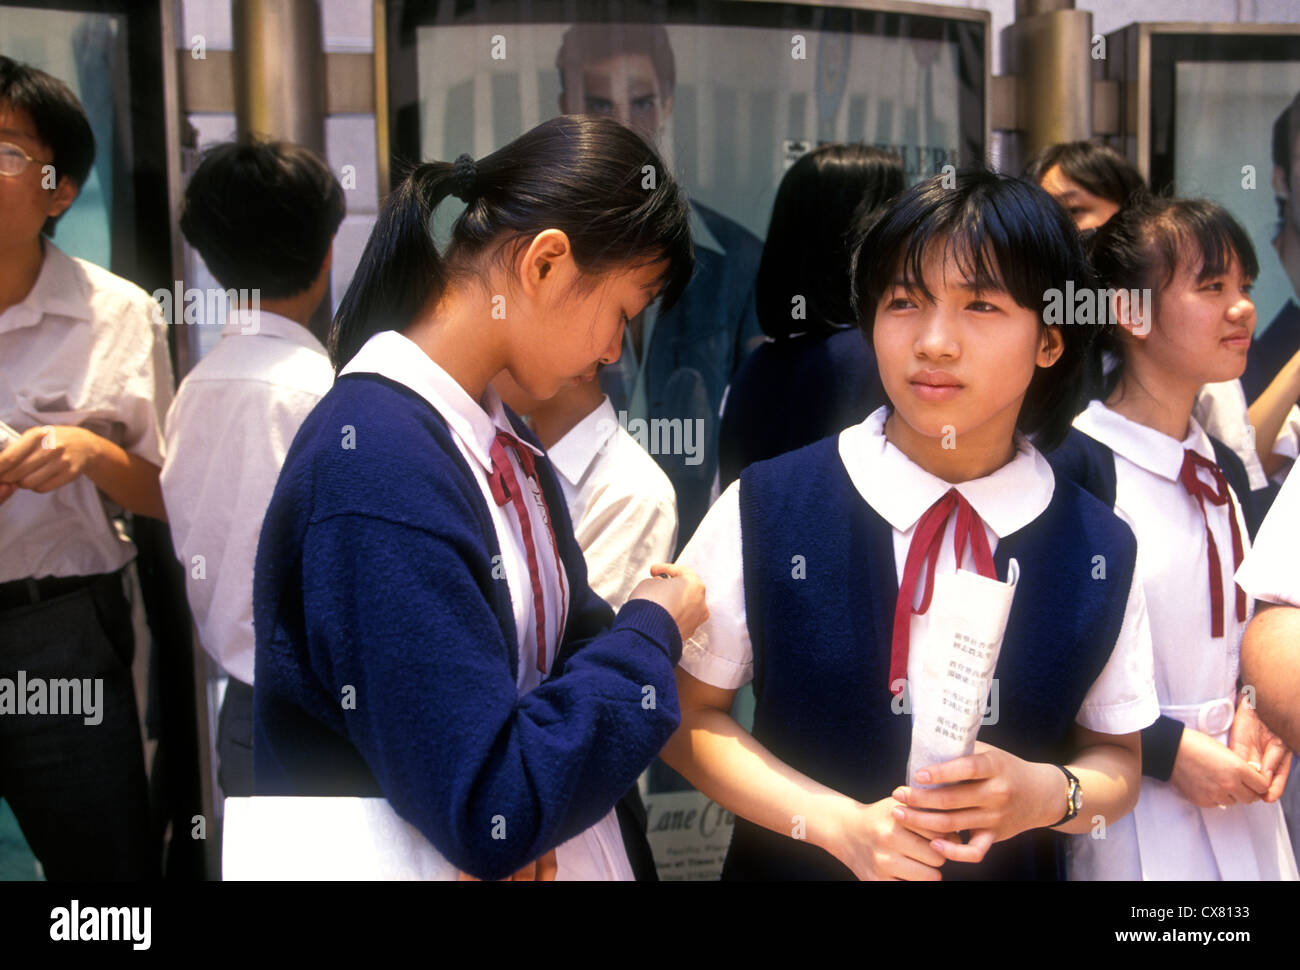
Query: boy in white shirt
pixel 84 378
pixel 263 217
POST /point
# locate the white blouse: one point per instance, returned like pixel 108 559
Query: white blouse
pixel 623 506
pixel 83 348
pixel 1271 570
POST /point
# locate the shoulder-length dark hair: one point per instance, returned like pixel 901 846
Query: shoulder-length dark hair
pixel 827 195
pixel 1143 245
pixel 1102 171
pixel 589 177
pixel 1003 233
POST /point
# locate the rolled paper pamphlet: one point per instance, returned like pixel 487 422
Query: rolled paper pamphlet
pixel 968 618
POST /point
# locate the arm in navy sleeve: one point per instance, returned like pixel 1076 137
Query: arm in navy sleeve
pixel 1160 747
pixel 401 614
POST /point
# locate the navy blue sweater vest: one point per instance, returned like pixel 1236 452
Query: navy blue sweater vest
pixel 386 646
pixel 822 646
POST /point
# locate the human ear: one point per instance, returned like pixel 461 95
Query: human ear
pixel 1051 346
pixel 64 194
pixel 1280 189
pixel 1134 315
pixel 542 258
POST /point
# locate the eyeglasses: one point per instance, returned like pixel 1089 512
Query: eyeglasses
pixel 13 160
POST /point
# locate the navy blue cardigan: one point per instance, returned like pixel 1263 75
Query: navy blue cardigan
pixel 386 649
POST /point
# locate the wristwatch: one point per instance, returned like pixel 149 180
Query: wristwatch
pixel 1073 797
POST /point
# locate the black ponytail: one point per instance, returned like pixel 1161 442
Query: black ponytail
pixel 400 268
pixel 589 177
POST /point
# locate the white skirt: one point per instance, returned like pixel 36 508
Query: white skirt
pixel 1167 837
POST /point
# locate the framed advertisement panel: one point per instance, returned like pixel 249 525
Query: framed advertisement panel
pixel 1207 111
pixel 731 92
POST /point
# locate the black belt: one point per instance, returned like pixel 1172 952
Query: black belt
pixel 24 592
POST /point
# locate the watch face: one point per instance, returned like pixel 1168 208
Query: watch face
pixel 1076 798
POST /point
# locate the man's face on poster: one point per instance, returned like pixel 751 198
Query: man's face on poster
pixel 623 87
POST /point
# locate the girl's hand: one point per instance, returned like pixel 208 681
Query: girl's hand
pixel 680 592
pixel 1251 740
pixel 541 870
pixel 991 793
pixel 1208 773
pixel 875 843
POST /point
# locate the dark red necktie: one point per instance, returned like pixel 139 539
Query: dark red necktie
pixel 1217 494
pixel 506 488
pixel 926 542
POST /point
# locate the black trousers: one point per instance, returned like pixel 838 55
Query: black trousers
pixel 235 740
pixel 78 789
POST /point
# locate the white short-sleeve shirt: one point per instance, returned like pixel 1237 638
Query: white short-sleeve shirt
pixel 228 431
pixel 1222 410
pixel 623 506
pixel 1191 666
pixel 89 349
pixel 1271 570
pixel 1120 701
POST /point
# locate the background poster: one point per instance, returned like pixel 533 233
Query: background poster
pixel 741 101
pixel 1229 110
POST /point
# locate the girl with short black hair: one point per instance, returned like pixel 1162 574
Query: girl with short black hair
pixel 821 565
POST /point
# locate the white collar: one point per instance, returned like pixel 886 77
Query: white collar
pixel 573 454
pixel 394 356
pixel 60 289
pixel 901 491
pixel 1145 447
pixel 242 322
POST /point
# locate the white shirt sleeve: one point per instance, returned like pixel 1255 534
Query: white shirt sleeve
pixel 1271 569
pixel 621 537
pixel 1123 698
pixel 720 653
pixel 146 389
pixel 1221 409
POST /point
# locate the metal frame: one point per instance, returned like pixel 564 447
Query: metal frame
pixel 1135 72
pixel 984 17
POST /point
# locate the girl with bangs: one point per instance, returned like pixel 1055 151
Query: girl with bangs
pixel 943 478
pixel 1213 771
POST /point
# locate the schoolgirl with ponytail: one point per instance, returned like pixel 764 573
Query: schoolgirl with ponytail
pixel 425 630
pixel 1177 274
